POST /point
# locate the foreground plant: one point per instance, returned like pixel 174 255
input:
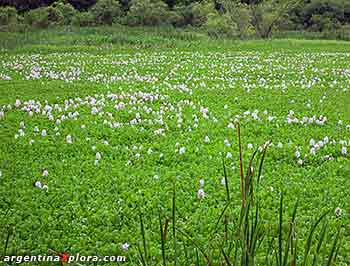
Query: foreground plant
pixel 252 243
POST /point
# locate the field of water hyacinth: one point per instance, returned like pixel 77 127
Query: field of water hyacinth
pixel 101 149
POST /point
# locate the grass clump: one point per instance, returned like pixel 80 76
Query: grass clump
pixel 248 240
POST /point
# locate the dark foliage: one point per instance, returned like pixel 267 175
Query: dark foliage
pixel 309 15
pixel 26 5
pixel 21 5
pixel 82 4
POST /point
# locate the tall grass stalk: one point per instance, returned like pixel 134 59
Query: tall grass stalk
pixel 174 223
pixel 145 257
pixel 240 241
pixel 162 238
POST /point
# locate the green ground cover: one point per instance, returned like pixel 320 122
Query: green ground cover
pixel 93 135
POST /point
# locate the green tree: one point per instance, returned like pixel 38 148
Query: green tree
pixel 263 15
pixel 83 19
pixel 239 15
pixel 201 11
pixel 266 14
pixel 8 15
pixel 67 10
pixel 149 13
pixel 219 26
pixel 106 11
pixel 44 17
pixel 316 13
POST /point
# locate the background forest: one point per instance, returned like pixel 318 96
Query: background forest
pixel 218 18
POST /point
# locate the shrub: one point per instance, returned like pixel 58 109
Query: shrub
pixel 9 20
pixel 37 18
pixel 55 16
pixel 182 15
pixel 149 13
pixel 44 17
pixel 200 12
pixel 218 26
pixel 83 19
pixel 176 19
pixel 288 24
pixel 106 11
pixel 239 16
pixel 67 10
pixel 8 15
pixel 344 32
pixel 324 22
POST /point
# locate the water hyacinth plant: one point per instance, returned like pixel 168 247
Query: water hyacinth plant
pixel 248 240
pixel 92 138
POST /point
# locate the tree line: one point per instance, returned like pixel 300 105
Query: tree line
pixel 218 17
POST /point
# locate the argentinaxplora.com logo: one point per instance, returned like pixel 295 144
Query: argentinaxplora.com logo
pixel 63 257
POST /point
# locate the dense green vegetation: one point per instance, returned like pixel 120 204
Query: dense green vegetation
pixel 107 38
pixel 219 18
pixel 100 131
